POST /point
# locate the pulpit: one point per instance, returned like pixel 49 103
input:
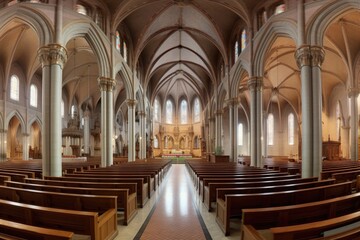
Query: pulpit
pixel 331 150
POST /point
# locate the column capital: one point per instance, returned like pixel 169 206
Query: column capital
pixel 52 54
pixel 232 102
pixel 353 92
pixel 131 102
pixel 141 114
pixel 219 112
pixel 318 55
pixel 255 83
pixel 307 55
pixel 106 84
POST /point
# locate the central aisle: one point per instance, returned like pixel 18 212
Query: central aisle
pixel 175 215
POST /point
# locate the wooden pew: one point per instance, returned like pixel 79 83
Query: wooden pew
pixel 316 229
pixel 80 222
pixel 267 186
pixel 265 218
pixel 150 182
pixel 247 178
pixel 142 188
pixel 14 176
pixel 126 197
pixel 230 205
pixel 23 231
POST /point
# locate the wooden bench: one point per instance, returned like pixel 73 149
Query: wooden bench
pixel 142 188
pixel 316 229
pixel 80 222
pixel 267 186
pixel 150 182
pixel 126 196
pixel 265 218
pixel 230 205
pixel 21 231
pixel 248 178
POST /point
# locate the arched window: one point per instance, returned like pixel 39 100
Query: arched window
pixel 156 142
pixel 62 108
pixel 279 9
pixel 243 39
pixel 183 112
pixel 125 52
pixel 156 111
pixel 14 87
pixel 33 95
pixel 338 121
pixel 291 129
pixel 81 9
pixel 73 111
pixel 197 110
pixel 270 129
pixel 236 51
pixel 240 136
pixel 117 40
pixel 169 111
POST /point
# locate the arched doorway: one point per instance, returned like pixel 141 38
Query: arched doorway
pixel 35 141
pixel 14 148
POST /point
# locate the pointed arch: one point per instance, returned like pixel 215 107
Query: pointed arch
pixel 17 114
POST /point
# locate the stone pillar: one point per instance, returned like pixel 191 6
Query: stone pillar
pixel 53 58
pixel 233 123
pixel 26 145
pixel 345 146
pixel 309 59
pixel 131 129
pixel 265 143
pixel 317 58
pixel 212 134
pixel 218 129
pixel 255 85
pixel 87 132
pixel 142 135
pixel 354 119
pixel 106 87
pixel 2 145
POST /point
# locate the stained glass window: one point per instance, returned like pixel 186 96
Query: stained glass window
pixel 270 129
pixel 14 87
pixel 117 40
pixel 156 110
pixel 291 129
pixel 240 134
pixel 81 9
pixel 33 95
pixel 243 39
pixel 183 112
pixel 279 9
pixel 236 50
pixel 169 111
pixel 197 110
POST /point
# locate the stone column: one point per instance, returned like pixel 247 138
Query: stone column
pixel 354 119
pixel 131 129
pixel 2 145
pixel 87 132
pixel 212 134
pixel 317 58
pixel 106 87
pixel 233 123
pixel 26 144
pixel 265 143
pixel 309 59
pixel 53 58
pixel 255 85
pixel 142 135
pixel 345 146
pixel 218 128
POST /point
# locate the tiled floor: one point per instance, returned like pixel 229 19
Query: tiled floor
pixel 175 212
